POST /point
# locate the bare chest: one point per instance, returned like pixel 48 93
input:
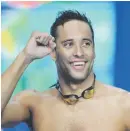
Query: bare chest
pixel 85 116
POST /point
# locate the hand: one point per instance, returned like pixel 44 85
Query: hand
pixel 39 45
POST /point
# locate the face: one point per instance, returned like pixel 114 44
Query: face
pixel 74 50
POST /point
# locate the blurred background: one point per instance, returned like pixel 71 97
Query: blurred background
pixel 111 23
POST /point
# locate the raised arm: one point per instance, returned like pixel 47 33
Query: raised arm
pixel 10 78
pixel 39 45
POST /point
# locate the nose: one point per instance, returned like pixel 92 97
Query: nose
pixel 78 51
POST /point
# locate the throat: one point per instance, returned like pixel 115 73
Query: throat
pixel 75 87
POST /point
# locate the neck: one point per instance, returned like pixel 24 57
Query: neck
pixel 72 88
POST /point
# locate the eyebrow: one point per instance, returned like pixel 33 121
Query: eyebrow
pixel 72 40
pixel 87 39
pixel 66 40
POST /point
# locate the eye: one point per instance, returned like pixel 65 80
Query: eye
pixel 68 44
pixel 86 44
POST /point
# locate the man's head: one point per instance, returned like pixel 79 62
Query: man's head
pixel 74 39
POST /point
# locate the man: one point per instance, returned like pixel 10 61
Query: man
pixel 77 102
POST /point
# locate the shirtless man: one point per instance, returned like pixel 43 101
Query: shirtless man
pixel 106 108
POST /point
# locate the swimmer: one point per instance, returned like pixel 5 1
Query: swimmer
pixel 78 101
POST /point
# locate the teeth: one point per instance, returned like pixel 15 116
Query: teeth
pixel 79 63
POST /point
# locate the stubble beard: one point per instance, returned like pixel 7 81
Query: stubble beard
pixel 64 73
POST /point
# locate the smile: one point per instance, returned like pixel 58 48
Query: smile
pixel 78 65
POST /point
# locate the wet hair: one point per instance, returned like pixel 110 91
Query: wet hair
pixel 68 15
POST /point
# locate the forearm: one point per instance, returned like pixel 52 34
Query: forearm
pixel 11 76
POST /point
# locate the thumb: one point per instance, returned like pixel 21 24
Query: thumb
pixel 52 44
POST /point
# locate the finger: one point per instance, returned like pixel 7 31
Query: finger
pixel 53 39
pixel 39 36
pixel 39 39
pixel 42 41
pixel 46 40
pixel 52 44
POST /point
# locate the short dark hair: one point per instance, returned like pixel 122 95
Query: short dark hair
pixel 68 15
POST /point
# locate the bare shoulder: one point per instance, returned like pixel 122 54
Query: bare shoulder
pixel 35 96
pixel 115 94
pixel 24 94
pixel 112 90
pixel 27 97
pixel 52 92
pixel 117 90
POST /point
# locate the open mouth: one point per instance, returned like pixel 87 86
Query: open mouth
pixel 79 66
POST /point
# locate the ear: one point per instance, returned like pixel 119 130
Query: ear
pixel 53 55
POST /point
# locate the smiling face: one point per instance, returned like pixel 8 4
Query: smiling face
pixel 74 51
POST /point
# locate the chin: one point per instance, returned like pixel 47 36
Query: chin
pixel 76 80
pixel 78 77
